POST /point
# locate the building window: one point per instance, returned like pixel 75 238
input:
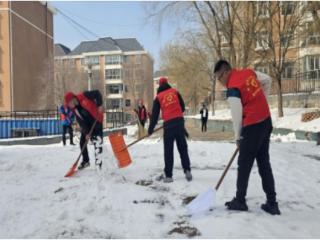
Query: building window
pixel 114 89
pixel 264 68
pixel 138 59
pixel 128 102
pixel 262 9
pixel 286 40
pixel 93 60
pixel 287 8
pixel 311 63
pixel 313 36
pixel 113 74
pixel 262 40
pixel 288 70
pixel 114 103
pixel 113 59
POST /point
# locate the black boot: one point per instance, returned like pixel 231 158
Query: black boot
pixel 271 208
pixel 237 205
pixel 84 164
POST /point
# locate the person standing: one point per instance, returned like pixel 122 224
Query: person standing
pixel 87 107
pixel 246 94
pixel 142 117
pixel 204 117
pixel 172 106
pixel 67 119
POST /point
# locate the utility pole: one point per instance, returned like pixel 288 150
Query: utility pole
pixel 89 77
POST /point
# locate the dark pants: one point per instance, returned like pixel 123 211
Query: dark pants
pixel 255 145
pixel 204 124
pixel 64 132
pixel 177 134
pixel 143 123
pixel 97 139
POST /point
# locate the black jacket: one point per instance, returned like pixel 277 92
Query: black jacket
pixel 85 120
pixel 207 113
pixel 156 111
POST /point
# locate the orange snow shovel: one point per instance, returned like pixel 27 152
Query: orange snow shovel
pixel 120 149
pixel 205 201
pixel 73 168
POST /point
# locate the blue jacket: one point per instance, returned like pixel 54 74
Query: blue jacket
pixel 66 116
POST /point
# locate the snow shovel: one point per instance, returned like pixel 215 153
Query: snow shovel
pixel 73 168
pixel 206 200
pixel 120 149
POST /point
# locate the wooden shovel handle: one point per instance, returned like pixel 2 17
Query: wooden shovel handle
pixel 138 140
pixel 226 169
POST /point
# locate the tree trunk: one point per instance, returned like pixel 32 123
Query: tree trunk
pixel 213 97
pixel 280 100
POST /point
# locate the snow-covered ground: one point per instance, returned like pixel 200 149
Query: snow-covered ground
pixel 38 202
pixel 291 119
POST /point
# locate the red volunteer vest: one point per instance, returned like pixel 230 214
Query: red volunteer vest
pixel 254 102
pixel 90 106
pixel 169 104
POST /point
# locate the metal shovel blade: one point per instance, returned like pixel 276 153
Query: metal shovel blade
pixel 202 203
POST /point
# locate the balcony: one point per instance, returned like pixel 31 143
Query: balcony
pixel 115 95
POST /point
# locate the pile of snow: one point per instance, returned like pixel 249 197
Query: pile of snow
pixel 291 119
pixel 38 202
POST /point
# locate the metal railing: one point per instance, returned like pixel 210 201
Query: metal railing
pixel 18 124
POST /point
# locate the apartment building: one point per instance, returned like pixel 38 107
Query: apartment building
pixel 26 55
pixel 301 62
pixel 120 68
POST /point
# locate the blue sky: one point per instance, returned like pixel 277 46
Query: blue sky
pixel 114 19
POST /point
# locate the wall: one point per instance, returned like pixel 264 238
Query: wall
pixel 5 87
pixel 32 57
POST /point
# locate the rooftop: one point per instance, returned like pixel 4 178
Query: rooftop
pixel 61 50
pixel 108 44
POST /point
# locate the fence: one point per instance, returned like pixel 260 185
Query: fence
pixel 117 117
pixel 29 123
pixel 305 82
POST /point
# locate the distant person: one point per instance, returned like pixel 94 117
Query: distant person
pixel 204 117
pixel 172 106
pixel 87 107
pixel 142 115
pixel 246 94
pixel 67 118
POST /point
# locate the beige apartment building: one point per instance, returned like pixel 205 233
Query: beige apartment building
pixel 301 65
pixel 26 55
pixel 120 68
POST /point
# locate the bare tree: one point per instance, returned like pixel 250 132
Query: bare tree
pixel 280 29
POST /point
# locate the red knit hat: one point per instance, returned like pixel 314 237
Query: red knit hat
pixel 68 97
pixel 163 80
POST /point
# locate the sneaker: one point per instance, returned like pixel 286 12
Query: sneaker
pixel 271 208
pixel 236 205
pixel 188 176
pixel 168 180
pixel 84 165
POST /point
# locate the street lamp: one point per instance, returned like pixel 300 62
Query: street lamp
pixel 89 77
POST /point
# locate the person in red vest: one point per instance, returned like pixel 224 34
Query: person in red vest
pixel 87 107
pixel 67 119
pixel 246 94
pixel 171 104
pixel 141 113
pixel 142 117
